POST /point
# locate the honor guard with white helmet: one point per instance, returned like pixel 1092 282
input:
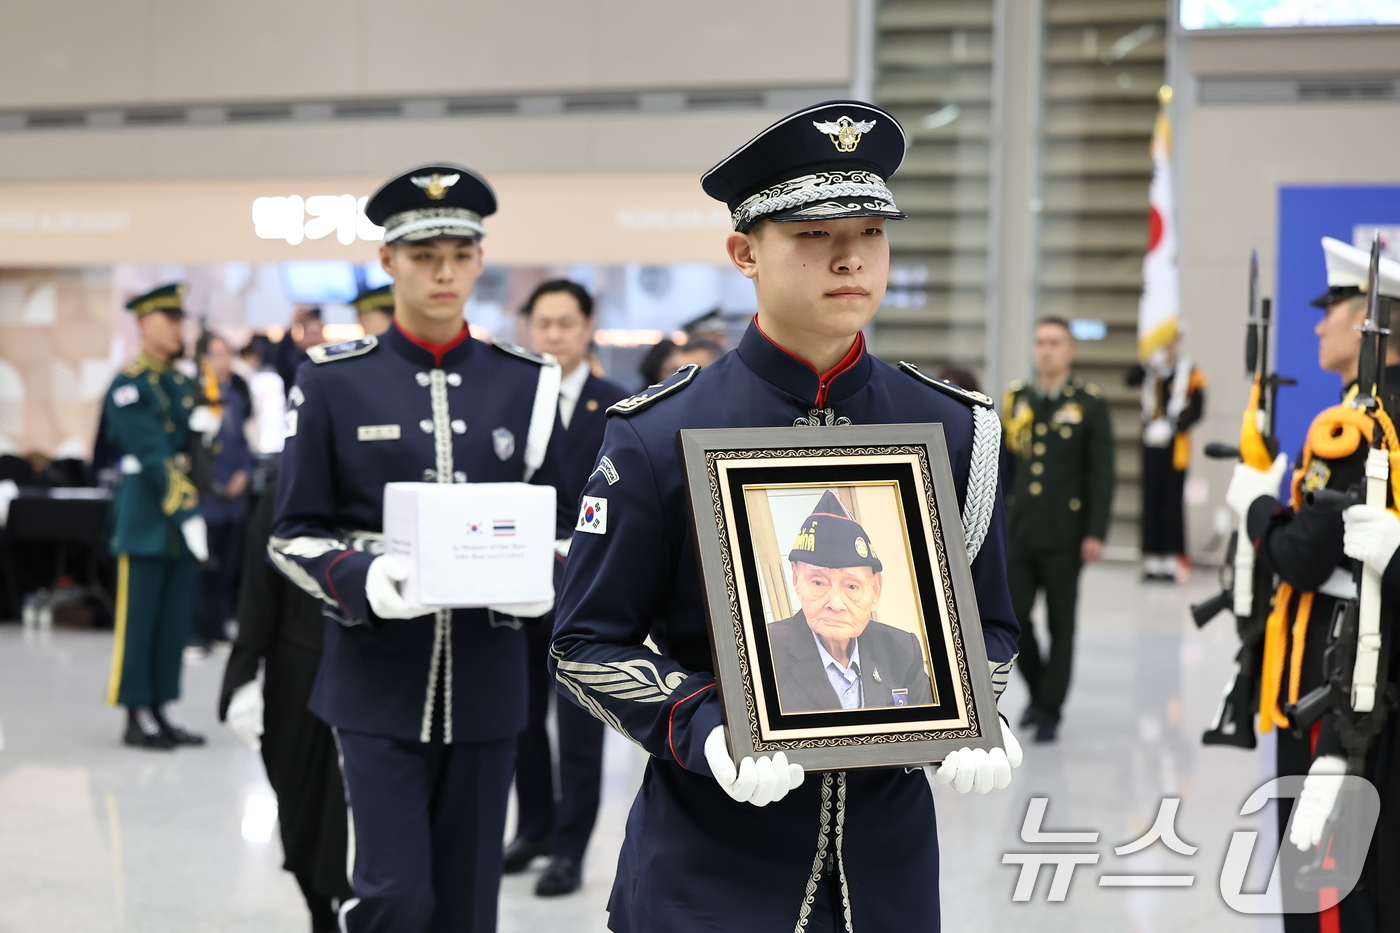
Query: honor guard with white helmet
pixel 426 704
pixel 1310 549
pixel 707 846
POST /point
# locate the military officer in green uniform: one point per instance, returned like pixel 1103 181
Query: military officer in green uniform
pixel 1059 479
pixel 157 531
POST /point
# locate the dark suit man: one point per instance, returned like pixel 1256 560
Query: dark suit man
pixel 832 654
pixel 558 822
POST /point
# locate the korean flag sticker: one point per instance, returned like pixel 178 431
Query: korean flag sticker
pixel 593 516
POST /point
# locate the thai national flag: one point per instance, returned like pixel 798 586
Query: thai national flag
pixel 503 527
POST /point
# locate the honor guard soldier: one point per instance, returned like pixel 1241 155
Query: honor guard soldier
pixel 1304 546
pixel 744 847
pixel 375 308
pixel 426 704
pixel 1173 400
pixel 158 534
pixel 1060 491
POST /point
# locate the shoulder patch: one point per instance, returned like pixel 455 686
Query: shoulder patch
pixel 126 394
pixel 966 396
pixel 517 350
pixel 330 352
pixel 652 394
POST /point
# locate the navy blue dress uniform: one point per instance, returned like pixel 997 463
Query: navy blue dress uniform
pixel 560 822
pixel 426 710
pixel 842 851
pixel 147 412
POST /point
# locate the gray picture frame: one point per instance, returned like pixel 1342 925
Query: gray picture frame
pixel 711 458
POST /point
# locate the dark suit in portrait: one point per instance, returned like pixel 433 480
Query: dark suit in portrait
pixel 891 660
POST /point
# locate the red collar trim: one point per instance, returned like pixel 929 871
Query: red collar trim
pixel 824 380
pixel 438 350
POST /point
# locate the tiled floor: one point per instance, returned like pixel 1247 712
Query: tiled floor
pixel 96 838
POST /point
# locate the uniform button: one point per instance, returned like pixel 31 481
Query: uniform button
pixel 1074 505
pixel 454 379
pixel 1035 489
pixel 1040 430
pixel 1069 391
pixel 1037 468
pixel 459 426
pixel 459 477
pixel 1038 449
pixel 426 425
pixel 592 404
pixel 422 378
pixel 429 476
pixel 1066 432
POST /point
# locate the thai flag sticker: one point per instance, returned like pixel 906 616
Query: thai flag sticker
pixel 593 516
pixel 503 527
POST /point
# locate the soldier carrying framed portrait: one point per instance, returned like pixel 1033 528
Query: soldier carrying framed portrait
pixel 843 619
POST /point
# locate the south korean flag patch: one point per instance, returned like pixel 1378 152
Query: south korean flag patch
pixel 593 516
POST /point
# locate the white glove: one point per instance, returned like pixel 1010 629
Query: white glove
pixel 759 781
pixel 978 769
pixel 196 534
pixel 204 421
pixel 245 713
pixel 1315 803
pixel 1248 484
pixel 1372 535
pixel 1158 433
pixel 382 581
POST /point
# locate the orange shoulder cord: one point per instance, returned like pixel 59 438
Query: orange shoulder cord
pixel 1335 433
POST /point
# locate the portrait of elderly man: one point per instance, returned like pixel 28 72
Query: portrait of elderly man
pixel 832 654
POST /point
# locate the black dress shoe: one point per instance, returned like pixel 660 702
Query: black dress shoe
pixel 1030 717
pixel 561 876
pixel 142 731
pixel 173 732
pixel 521 852
pixel 1046 732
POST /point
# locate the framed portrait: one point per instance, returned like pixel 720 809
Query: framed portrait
pixel 843 618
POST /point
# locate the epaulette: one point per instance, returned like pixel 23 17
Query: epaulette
pixel 966 396
pixel 652 394
pixel 330 352
pixel 134 369
pixel 517 350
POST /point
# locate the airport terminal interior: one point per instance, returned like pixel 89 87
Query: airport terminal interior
pixel 1126 232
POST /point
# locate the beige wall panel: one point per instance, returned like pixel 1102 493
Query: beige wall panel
pixel 72 52
pixel 669 142
pixel 543 220
pixel 1342 52
pixel 1232 163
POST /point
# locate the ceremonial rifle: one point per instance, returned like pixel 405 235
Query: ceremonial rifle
pixel 1245 587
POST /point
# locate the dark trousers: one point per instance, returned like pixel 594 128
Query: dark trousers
pixel 155 605
pixel 428 820
pixel 1163 509
pixel 564 818
pixel 1057 573
pixel 216 587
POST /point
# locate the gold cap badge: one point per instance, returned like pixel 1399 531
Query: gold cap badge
pixel 845 133
pixel 435 185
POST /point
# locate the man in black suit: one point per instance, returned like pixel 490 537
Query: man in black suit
pixel 558 822
pixel 832 655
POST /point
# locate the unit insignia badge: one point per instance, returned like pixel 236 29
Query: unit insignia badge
pixel 435 186
pixel 845 133
pixel 503 442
